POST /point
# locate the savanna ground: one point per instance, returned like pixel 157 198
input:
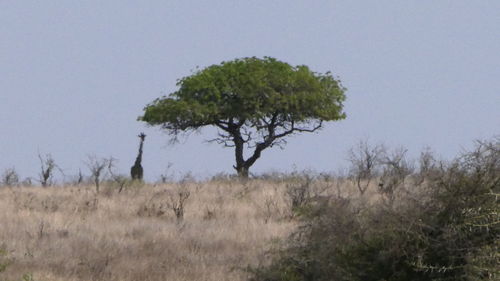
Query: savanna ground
pixel 73 233
pixel 388 218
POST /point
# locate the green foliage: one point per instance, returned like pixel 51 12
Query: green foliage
pixel 450 231
pixel 248 89
pixel 28 277
pixel 4 262
pixel 253 102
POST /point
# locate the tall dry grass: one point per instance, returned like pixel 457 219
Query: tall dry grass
pixel 72 233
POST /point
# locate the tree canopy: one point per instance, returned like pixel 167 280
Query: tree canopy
pixel 253 102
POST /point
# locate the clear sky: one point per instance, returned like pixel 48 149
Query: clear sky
pixel 75 75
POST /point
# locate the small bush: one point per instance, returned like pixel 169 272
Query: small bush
pixel 298 192
pixel 10 178
pixel 365 164
pixel 177 201
pixel 47 167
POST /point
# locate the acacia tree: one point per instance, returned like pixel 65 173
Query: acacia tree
pixel 255 103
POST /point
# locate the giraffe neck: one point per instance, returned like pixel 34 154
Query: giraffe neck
pixel 138 160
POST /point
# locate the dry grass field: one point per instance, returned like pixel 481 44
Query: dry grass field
pixel 72 233
pixel 439 218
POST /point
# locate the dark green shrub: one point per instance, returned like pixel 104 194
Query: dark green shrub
pixel 448 229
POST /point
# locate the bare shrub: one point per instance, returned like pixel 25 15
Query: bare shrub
pixel 10 178
pixel 177 201
pixel 47 167
pixel 120 180
pixel 97 168
pixel 168 175
pixel 298 193
pixel 396 168
pixel 365 161
pixel 79 179
pixel 427 166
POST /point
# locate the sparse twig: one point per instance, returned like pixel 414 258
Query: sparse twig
pixel 396 168
pixel 121 180
pixel 10 178
pixel 177 200
pixel 97 167
pixel 299 193
pixel 364 163
pixel 168 175
pixel 47 166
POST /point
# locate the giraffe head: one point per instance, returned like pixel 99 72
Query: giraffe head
pixel 142 136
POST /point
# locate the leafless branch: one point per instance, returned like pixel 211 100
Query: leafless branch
pixel 47 166
pixel 97 168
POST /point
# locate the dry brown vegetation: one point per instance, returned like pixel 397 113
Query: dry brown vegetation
pixel 388 219
pixel 437 220
pixel 72 233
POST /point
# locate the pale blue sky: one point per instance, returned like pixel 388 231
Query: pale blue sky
pixel 74 75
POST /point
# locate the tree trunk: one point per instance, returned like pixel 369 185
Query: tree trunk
pixel 241 165
pixel 242 172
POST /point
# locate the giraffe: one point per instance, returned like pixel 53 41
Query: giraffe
pixel 136 172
